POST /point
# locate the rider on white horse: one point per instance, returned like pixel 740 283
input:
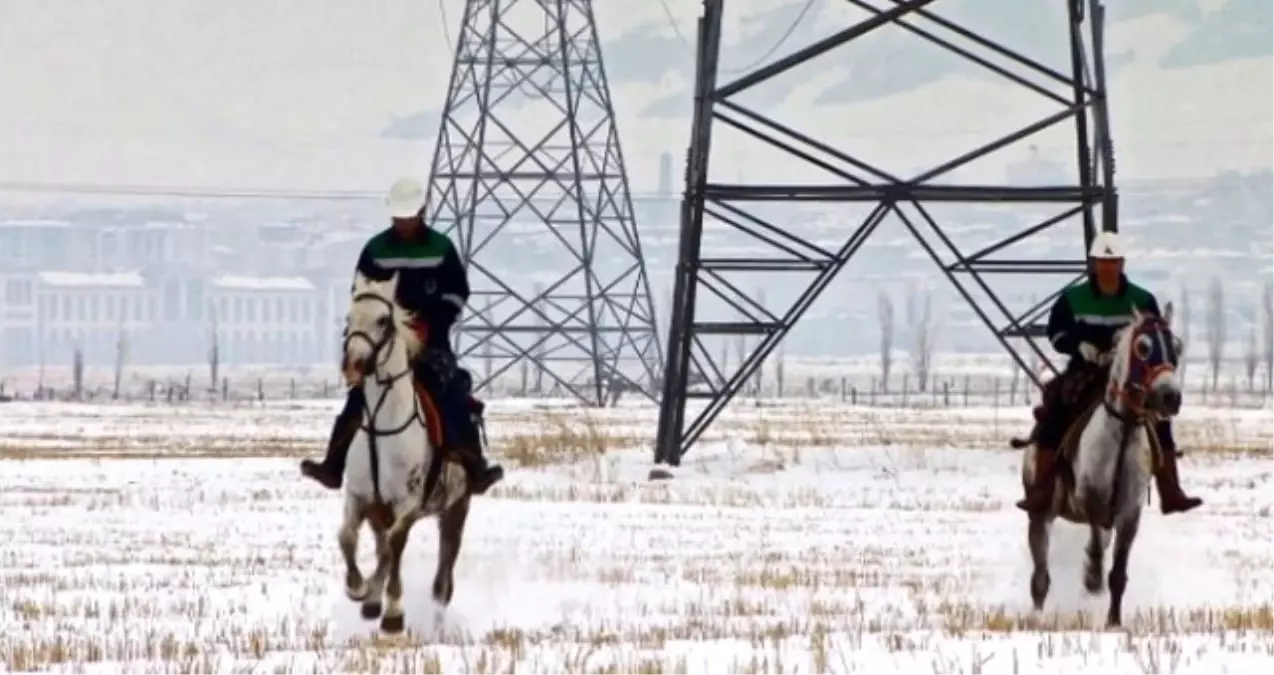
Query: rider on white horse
pixel 434 286
pixel 1082 325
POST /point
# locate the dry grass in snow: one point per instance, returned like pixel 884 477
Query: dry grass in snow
pixel 795 540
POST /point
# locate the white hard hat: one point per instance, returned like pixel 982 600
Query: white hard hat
pixel 1106 246
pixel 406 198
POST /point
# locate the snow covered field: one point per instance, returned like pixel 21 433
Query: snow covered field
pixel 794 539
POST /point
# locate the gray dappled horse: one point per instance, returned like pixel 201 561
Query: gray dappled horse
pixel 1112 462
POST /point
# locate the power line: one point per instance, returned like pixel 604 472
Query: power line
pixel 791 29
pixel 186 191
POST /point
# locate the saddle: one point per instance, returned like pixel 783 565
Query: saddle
pixel 433 417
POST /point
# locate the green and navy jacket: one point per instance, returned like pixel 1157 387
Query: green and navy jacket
pixel 432 282
pixel 1083 314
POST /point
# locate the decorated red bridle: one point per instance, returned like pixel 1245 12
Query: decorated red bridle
pixel 1151 353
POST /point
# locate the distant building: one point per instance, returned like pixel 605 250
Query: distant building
pixel 17 319
pixel 265 319
pixel 92 312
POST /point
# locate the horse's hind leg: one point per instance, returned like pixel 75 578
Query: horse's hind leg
pixel 1125 534
pixel 1037 537
pixel 371 608
pixel 1095 558
pixel 347 536
pixel 392 620
pixel 450 536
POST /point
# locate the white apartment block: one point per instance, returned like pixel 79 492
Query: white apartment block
pixel 92 312
pixel 17 319
pixel 265 319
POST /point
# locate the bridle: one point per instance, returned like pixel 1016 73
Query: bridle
pixel 372 367
pixel 1148 337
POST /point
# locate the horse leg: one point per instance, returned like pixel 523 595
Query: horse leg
pixel 1037 537
pixel 1125 534
pixel 392 620
pixel 450 536
pixel 347 536
pixel 371 608
pixel 1094 561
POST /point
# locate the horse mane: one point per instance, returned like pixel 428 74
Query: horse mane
pixel 404 320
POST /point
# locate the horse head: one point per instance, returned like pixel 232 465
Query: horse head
pixel 377 330
pixel 1143 371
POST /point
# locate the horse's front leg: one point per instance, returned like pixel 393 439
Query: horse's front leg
pixel 1125 534
pixel 392 621
pixel 347 536
pixel 1095 554
pixel 450 536
pixel 371 608
pixel 1037 537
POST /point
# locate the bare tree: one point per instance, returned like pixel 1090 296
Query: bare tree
pixel 885 310
pixel 77 372
pixel 121 356
pixel 539 350
pixel 1216 328
pixel 1251 358
pixel 778 371
pixel 1267 332
pixel 925 332
pixel 214 352
pixel 912 309
pixel 758 378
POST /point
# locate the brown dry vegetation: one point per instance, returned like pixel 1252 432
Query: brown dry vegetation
pixel 557 436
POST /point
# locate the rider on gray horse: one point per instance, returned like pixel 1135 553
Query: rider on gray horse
pixel 434 286
pixel 1082 325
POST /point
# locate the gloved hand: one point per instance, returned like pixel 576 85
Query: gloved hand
pixel 1092 354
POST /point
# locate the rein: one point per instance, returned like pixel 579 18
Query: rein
pixel 387 384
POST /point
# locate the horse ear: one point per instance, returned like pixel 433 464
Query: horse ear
pixel 1136 316
pixel 1167 313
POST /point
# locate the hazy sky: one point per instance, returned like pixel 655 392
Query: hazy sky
pixel 293 94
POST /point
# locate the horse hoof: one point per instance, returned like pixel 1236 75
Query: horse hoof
pixel 391 624
pixel 370 610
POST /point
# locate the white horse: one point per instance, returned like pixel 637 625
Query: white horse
pixel 1112 466
pixel 393 477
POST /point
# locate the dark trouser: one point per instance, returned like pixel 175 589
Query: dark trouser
pixel 1163 429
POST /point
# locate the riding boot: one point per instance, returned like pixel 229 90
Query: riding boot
pixel 330 472
pixel 1039 495
pixel 1172 499
pixel 482 475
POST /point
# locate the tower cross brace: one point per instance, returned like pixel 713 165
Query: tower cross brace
pixel 692 372
pixel 529 174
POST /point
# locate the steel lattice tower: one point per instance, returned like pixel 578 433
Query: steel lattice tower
pixel 1083 203
pixel 529 178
